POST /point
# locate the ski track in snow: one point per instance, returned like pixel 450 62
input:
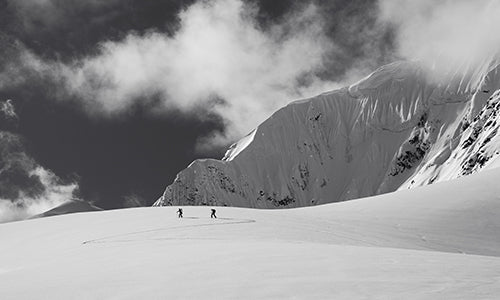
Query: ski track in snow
pixel 108 239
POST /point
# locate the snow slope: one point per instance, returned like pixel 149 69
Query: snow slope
pixel 437 242
pixel 395 129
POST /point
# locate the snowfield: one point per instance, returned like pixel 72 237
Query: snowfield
pixel 434 242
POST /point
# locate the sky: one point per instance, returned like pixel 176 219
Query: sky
pixel 107 100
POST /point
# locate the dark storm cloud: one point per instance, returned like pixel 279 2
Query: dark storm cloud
pixel 67 28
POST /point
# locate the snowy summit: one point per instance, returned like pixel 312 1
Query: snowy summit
pixel 395 129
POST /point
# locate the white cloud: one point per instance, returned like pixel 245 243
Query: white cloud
pixel 446 34
pixel 26 206
pixel 219 59
pixel 7 109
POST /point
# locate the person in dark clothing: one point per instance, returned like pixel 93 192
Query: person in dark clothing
pixel 213 214
pixel 179 212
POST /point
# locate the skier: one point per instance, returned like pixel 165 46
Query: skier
pixel 179 212
pixel 213 214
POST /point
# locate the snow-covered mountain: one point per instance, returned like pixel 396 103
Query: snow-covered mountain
pixel 68 207
pixel 398 128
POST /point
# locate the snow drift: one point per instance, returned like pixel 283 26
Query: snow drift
pixel 398 128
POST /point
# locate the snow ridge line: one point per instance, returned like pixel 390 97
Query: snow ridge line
pixel 103 239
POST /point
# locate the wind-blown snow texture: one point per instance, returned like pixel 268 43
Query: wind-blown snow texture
pixel 395 129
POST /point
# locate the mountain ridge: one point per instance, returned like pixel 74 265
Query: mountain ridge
pixel 388 131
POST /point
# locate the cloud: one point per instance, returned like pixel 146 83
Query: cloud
pixel 445 34
pixel 8 116
pixel 7 109
pixel 220 59
pixel 42 14
pixel 26 188
pixel 133 200
pixel 52 194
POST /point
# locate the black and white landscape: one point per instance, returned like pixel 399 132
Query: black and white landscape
pixel 350 149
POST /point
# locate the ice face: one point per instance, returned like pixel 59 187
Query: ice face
pixel 396 129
